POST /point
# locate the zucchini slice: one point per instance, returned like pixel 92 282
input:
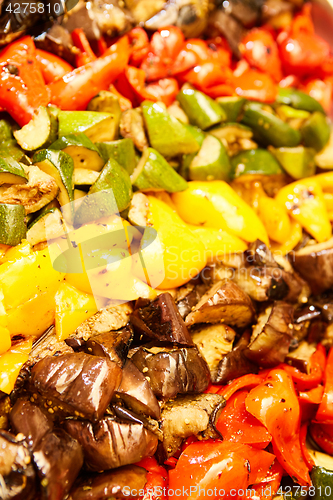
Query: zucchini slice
pixel 154 173
pixel 13 227
pixel 112 179
pixel 211 163
pixel 84 177
pixel 11 172
pixel 47 226
pixel 201 109
pixel 83 151
pixel 105 102
pixel 123 151
pixel 232 106
pixel 39 132
pixel 97 126
pixel 60 166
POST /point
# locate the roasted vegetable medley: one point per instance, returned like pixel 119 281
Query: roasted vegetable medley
pixel 166 269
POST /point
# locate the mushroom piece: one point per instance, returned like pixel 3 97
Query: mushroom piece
pixel 110 443
pixel 132 126
pixel 235 364
pixel 76 383
pixel 223 302
pixel 214 342
pixel 112 345
pixel 111 484
pixel 17 474
pixel 187 416
pixel 58 459
pixel 161 320
pixel 172 370
pixel 315 264
pixel 272 335
pixel 135 391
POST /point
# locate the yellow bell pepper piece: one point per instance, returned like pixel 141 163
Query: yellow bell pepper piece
pixel 217 242
pixel 72 307
pixel 325 180
pixel 216 204
pixel 34 316
pixel 3 250
pixel 3 313
pixel 293 239
pixel 27 276
pixel 176 253
pixel 14 253
pixel 275 219
pixel 328 198
pixel 5 341
pixel 11 363
pixel 305 202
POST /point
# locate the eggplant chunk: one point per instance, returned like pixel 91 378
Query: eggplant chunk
pixel 17 474
pixel 136 392
pixel 108 444
pixel 57 40
pixel 105 320
pixel 78 384
pixel 187 416
pixel 171 370
pixel 132 126
pixel 235 363
pixel 58 459
pixel 214 342
pixel 188 296
pixel 161 320
pixel 272 335
pixel 111 484
pixel 315 264
pixel 224 302
pixel 300 357
pixel 112 345
pixel 48 345
pixel 31 421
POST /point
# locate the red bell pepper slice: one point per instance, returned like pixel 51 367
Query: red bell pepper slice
pixel 255 85
pixel 306 381
pixel 240 383
pixel 165 45
pixel 52 66
pixel 75 89
pixel 274 402
pixel 217 469
pixel 322 434
pixel 86 54
pixel 305 452
pixel 237 425
pixel 157 479
pixel 301 50
pixel 208 75
pixel 102 46
pixel 260 50
pixel 133 86
pixel 139 43
pixel 325 410
pixel 309 402
pixel 268 487
pixel 213 389
pixel 22 87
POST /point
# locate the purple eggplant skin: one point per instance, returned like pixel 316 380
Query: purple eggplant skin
pixel 161 320
pixel 113 345
pixel 17 474
pixel 31 421
pixel 235 364
pixel 109 444
pixel 173 370
pixel 111 484
pixel 315 263
pixel 136 392
pixel 58 459
pixel 270 342
pixel 79 384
